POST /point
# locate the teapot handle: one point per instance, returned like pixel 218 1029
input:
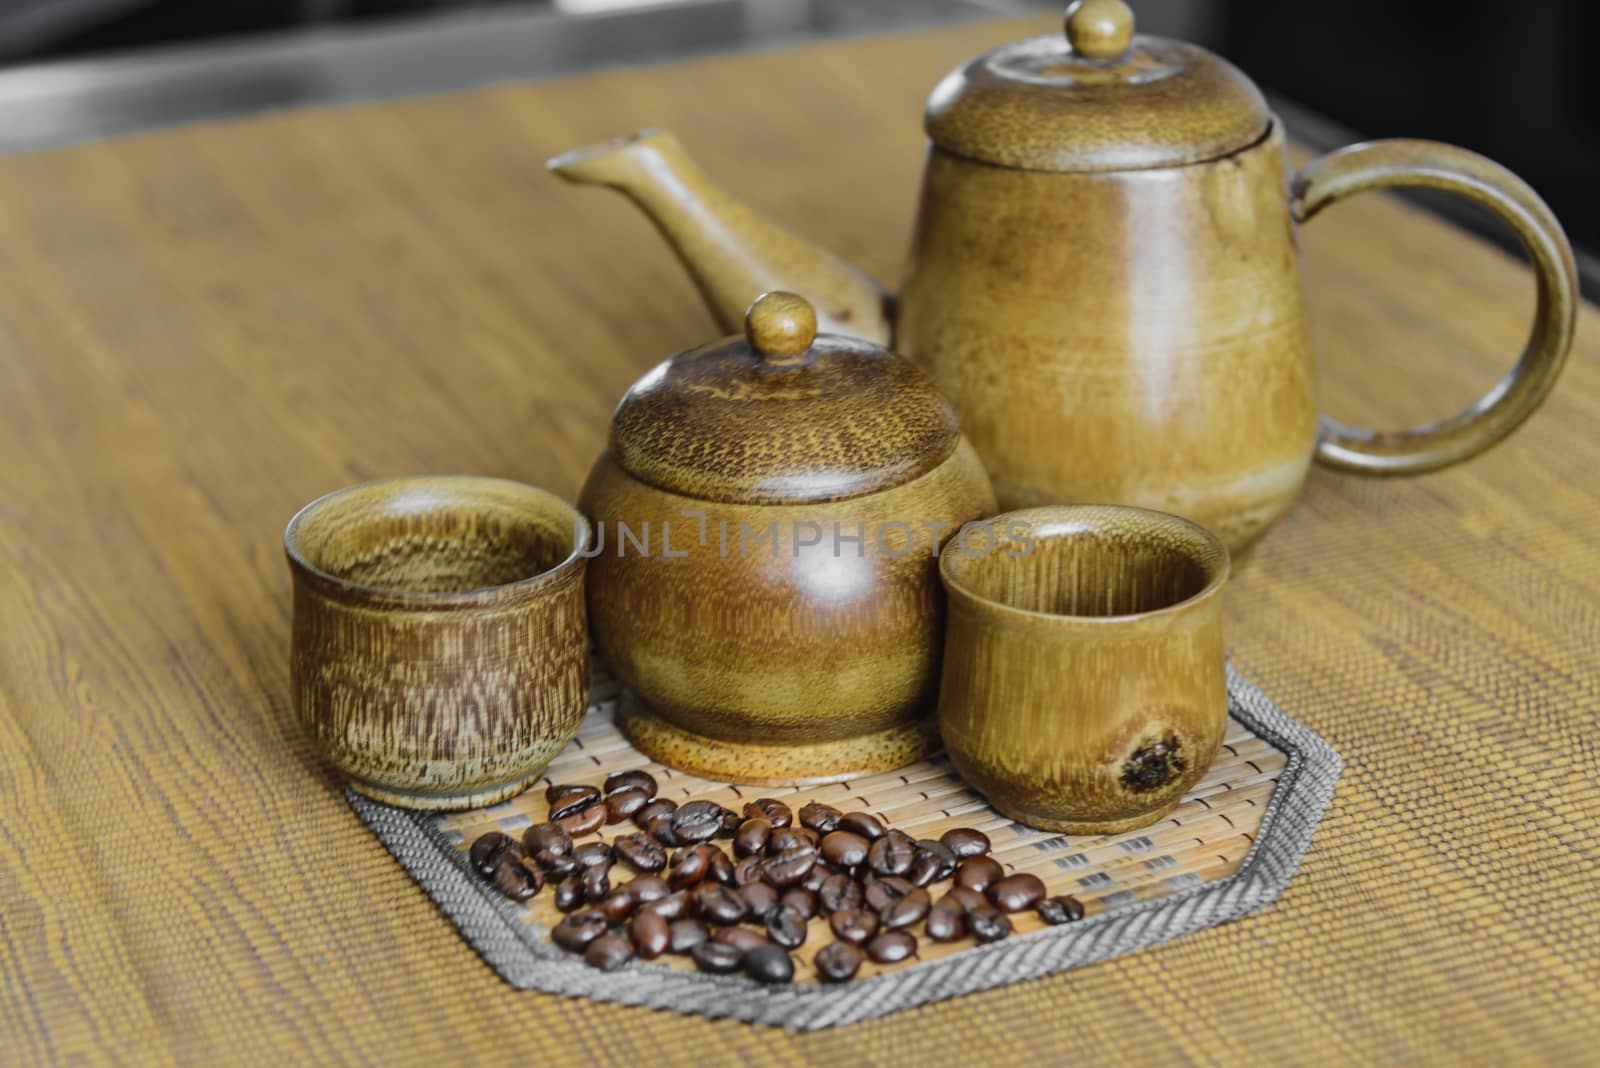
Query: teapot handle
pixel 1430 164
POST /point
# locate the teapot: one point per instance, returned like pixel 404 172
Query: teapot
pixel 769 511
pixel 1103 276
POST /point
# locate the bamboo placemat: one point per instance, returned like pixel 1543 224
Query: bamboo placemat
pixel 1229 847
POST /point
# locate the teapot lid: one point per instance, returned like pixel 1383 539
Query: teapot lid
pixel 1098 98
pixel 781 415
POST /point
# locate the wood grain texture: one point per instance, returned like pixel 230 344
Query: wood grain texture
pixel 1083 687
pixel 1090 96
pixel 440 645
pixel 1147 345
pixel 767 654
pixel 218 323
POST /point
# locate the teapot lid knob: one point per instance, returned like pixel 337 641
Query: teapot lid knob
pixel 780 327
pixel 1099 29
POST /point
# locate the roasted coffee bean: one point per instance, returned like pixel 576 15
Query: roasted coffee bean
pixel 907 910
pixel 569 893
pixel 774 812
pixel 546 838
pixel 609 952
pixel 759 899
pixel 988 924
pixel 716 957
pixel 947 921
pixel 965 842
pixel 584 821
pixel 892 854
pixel 1016 892
pixel 651 934
pixel 640 852
pixel 685 934
pixel 768 964
pixel 790 866
pixel 819 817
pixel 558 791
pixel 574 802
pixel 633 779
pixel 716 903
pixel 670 907
pixel 592 854
pixel 976 873
pixel 647 888
pixel 815 878
pixel 935 863
pixel 867 826
pixel 786 927
pixel 517 877
pixel 697 821
pixel 882 891
pixel 752 835
pixel 967 898
pixel 555 865
pixel 837 962
pixel 688 868
pixel 596 883
pixel 839 892
pixel 856 926
pixel 485 852
pixel 719 868
pixel 730 823
pixel 748 870
pixel 618 905
pixel 784 839
pixel 801 900
pixel 891 946
pixel 624 803
pixel 658 807
pixel 925 870
pixel 576 930
pixel 662 830
pixel 742 938
pixel 1063 908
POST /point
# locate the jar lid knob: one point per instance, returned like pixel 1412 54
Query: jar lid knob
pixel 780 327
pixel 1099 29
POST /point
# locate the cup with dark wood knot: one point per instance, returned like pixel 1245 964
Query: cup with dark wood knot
pixel 1084 686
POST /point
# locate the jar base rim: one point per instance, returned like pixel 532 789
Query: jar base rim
pixel 720 760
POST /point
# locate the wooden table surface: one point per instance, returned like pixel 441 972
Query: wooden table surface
pixel 203 328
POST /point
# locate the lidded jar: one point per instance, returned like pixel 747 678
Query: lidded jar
pixel 769 510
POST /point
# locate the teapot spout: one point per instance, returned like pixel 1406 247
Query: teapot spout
pixel 733 253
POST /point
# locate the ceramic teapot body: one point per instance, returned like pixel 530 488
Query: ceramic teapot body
pixel 1104 280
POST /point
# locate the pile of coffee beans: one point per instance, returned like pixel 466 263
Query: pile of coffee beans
pixel 668 887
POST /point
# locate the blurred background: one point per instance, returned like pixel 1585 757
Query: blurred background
pixel 1509 80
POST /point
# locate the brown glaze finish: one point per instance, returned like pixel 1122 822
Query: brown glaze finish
pixel 764 645
pixel 1083 687
pixel 440 656
pixel 1104 279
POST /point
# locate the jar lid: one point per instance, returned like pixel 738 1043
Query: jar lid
pixel 782 415
pixel 1098 98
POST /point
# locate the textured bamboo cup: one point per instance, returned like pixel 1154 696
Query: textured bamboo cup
pixel 440 651
pixel 1083 687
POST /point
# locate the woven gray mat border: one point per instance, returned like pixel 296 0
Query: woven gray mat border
pixel 525 959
